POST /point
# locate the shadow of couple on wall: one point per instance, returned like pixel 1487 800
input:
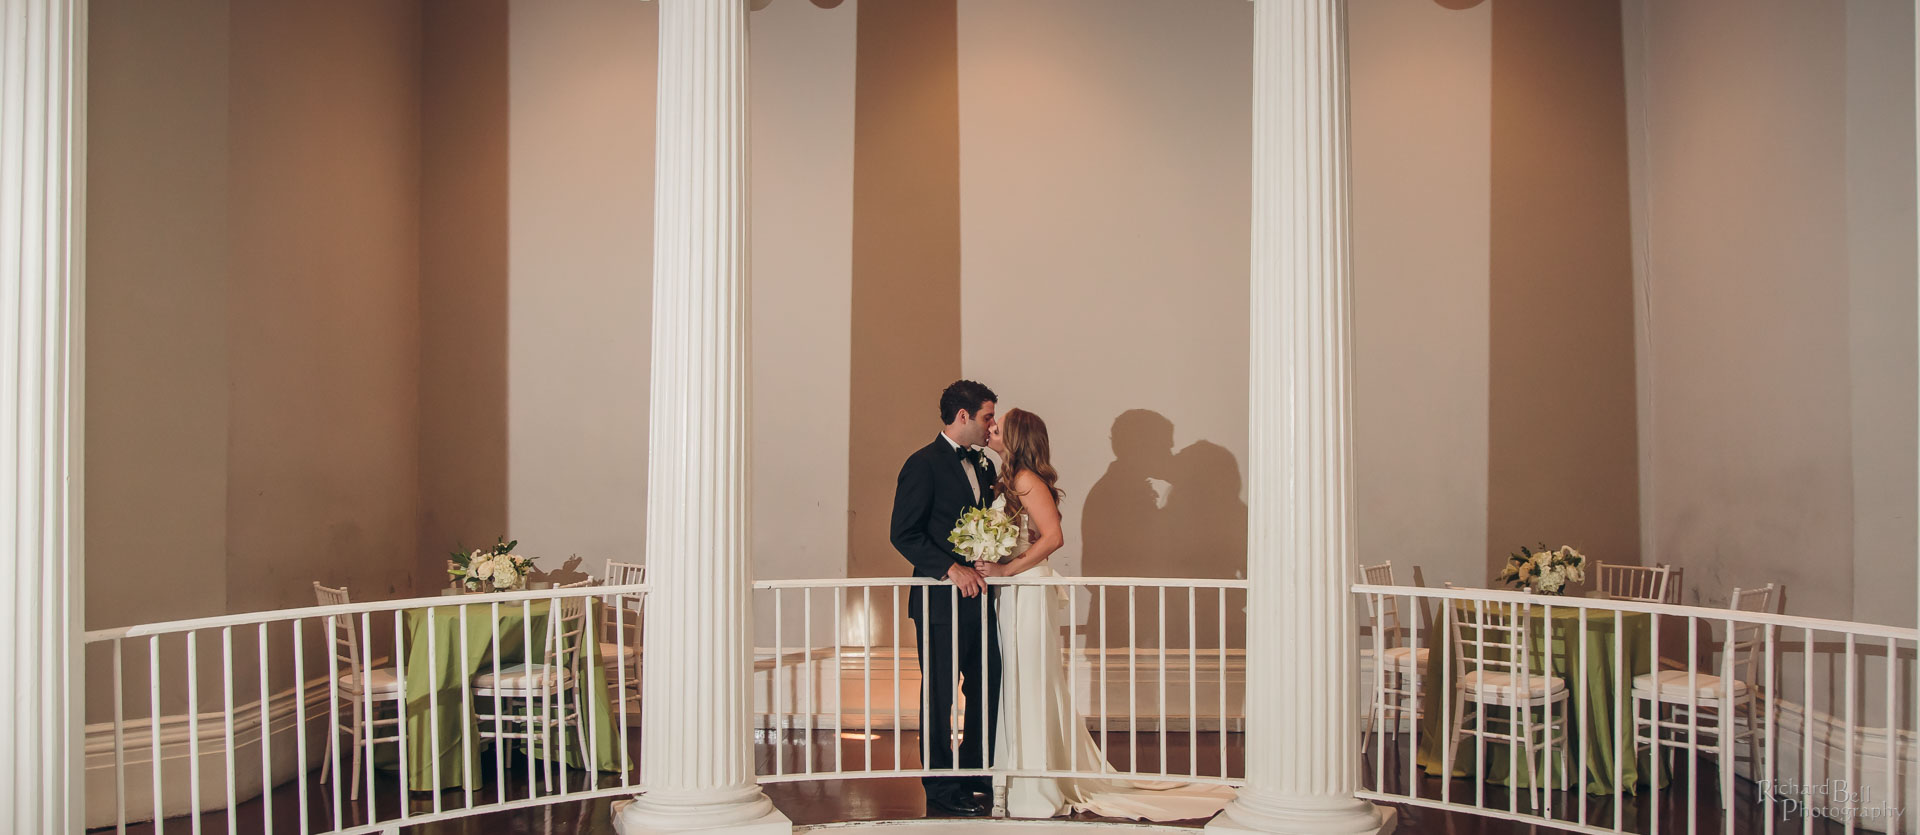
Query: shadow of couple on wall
pixel 1158 512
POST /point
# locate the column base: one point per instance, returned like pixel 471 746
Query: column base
pixel 742 812
pixel 1251 815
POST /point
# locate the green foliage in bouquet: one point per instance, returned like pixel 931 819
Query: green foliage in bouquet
pixel 1546 571
pixel 495 567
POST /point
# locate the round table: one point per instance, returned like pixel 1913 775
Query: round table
pixel 1604 677
pixel 438 667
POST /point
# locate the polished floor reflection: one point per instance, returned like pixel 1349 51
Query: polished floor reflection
pixel 828 801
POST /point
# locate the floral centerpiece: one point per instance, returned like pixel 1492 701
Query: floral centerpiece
pixel 496 568
pixel 985 534
pixel 1546 571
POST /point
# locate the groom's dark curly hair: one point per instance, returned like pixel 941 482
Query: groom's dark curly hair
pixel 964 395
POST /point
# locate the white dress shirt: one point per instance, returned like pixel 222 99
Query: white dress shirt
pixel 973 479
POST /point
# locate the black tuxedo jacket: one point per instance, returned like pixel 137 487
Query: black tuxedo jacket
pixel 930 497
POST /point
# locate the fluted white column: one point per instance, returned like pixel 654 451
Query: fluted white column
pixel 1302 739
pixel 42 114
pixel 696 738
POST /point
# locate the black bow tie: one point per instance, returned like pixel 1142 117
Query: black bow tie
pixel 968 453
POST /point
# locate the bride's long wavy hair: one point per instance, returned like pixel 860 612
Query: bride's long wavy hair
pixel 1025 436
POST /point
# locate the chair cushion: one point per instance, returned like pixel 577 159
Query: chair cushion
pixel 524 677
pixel 381 681
pixel 1396 657
pixel 1673 686
pixel 1507 685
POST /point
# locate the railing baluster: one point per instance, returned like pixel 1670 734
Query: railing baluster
pixel 366 705
pixel 1892 713
pixel 1625 712
pixel 1376 707
pixel 527 658
pixel 1728 704
pixel 153 725
pixel 1412 697
pixel 621 632
pixel 466 713
pixel 893 629
pixel 1160 734
pixel 1223 682
pixel 987 694
pixel 300 723
pixel 400 716
pixel 1852 724
pixel 1449 725
pixel 1104 591
pixel 332 644
pixel 119 744
pixel 839 680
pixel 1770 775
pixel 1480 708
pixel 1133 683
pixel 866 671
pixel 1806 736
pixel 779 690
pixel 1193 679
pixel 1654 733
pixel 813 673
pixel 1071 657
pixel 1693 721
pixel 499 719
pixel 193 728
pixel 433 704
pixel 266 737
pixel 1579 776
pixel 586 658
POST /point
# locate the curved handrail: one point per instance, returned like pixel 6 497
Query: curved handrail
pixel 1702 612
pixel 279 615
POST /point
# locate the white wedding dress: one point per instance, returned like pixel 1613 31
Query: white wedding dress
pixel 1039 729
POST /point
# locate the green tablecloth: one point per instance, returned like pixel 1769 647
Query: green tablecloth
pixel 1607 697
pixel 442 667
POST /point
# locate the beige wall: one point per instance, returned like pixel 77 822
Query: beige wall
pixel 1421 227
pixel 1104 159
pixel 803 187
pixel 1775 188
pixel 463 280
pixel 579 298
pixel 580 163
pixel 322 310
pixel 906 299
pixel 252 249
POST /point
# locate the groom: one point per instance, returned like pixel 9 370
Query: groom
pixel 937 485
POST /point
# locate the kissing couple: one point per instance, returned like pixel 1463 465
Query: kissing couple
pixel 999 646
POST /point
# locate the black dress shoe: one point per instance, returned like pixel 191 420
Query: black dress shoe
pixel 958 804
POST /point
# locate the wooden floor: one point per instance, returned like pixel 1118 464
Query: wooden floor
pixel 829 801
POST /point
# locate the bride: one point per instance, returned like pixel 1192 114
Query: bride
pixel 1039 730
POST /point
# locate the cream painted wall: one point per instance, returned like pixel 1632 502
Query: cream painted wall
pixel 1421 127
pixel 581 174
pixel 579 306
pixel 253 211
pixel 323 316
pixel 1104 163
pixel 1104 159
pixel 1773 180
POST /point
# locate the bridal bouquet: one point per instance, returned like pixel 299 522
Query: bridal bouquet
pixel 985 534
pixel 1545 571
pixel 496 568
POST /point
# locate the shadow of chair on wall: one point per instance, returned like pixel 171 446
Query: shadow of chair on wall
pixel 1198 529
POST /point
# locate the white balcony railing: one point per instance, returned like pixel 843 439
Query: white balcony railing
pixel 222 724
pixel 1816 715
